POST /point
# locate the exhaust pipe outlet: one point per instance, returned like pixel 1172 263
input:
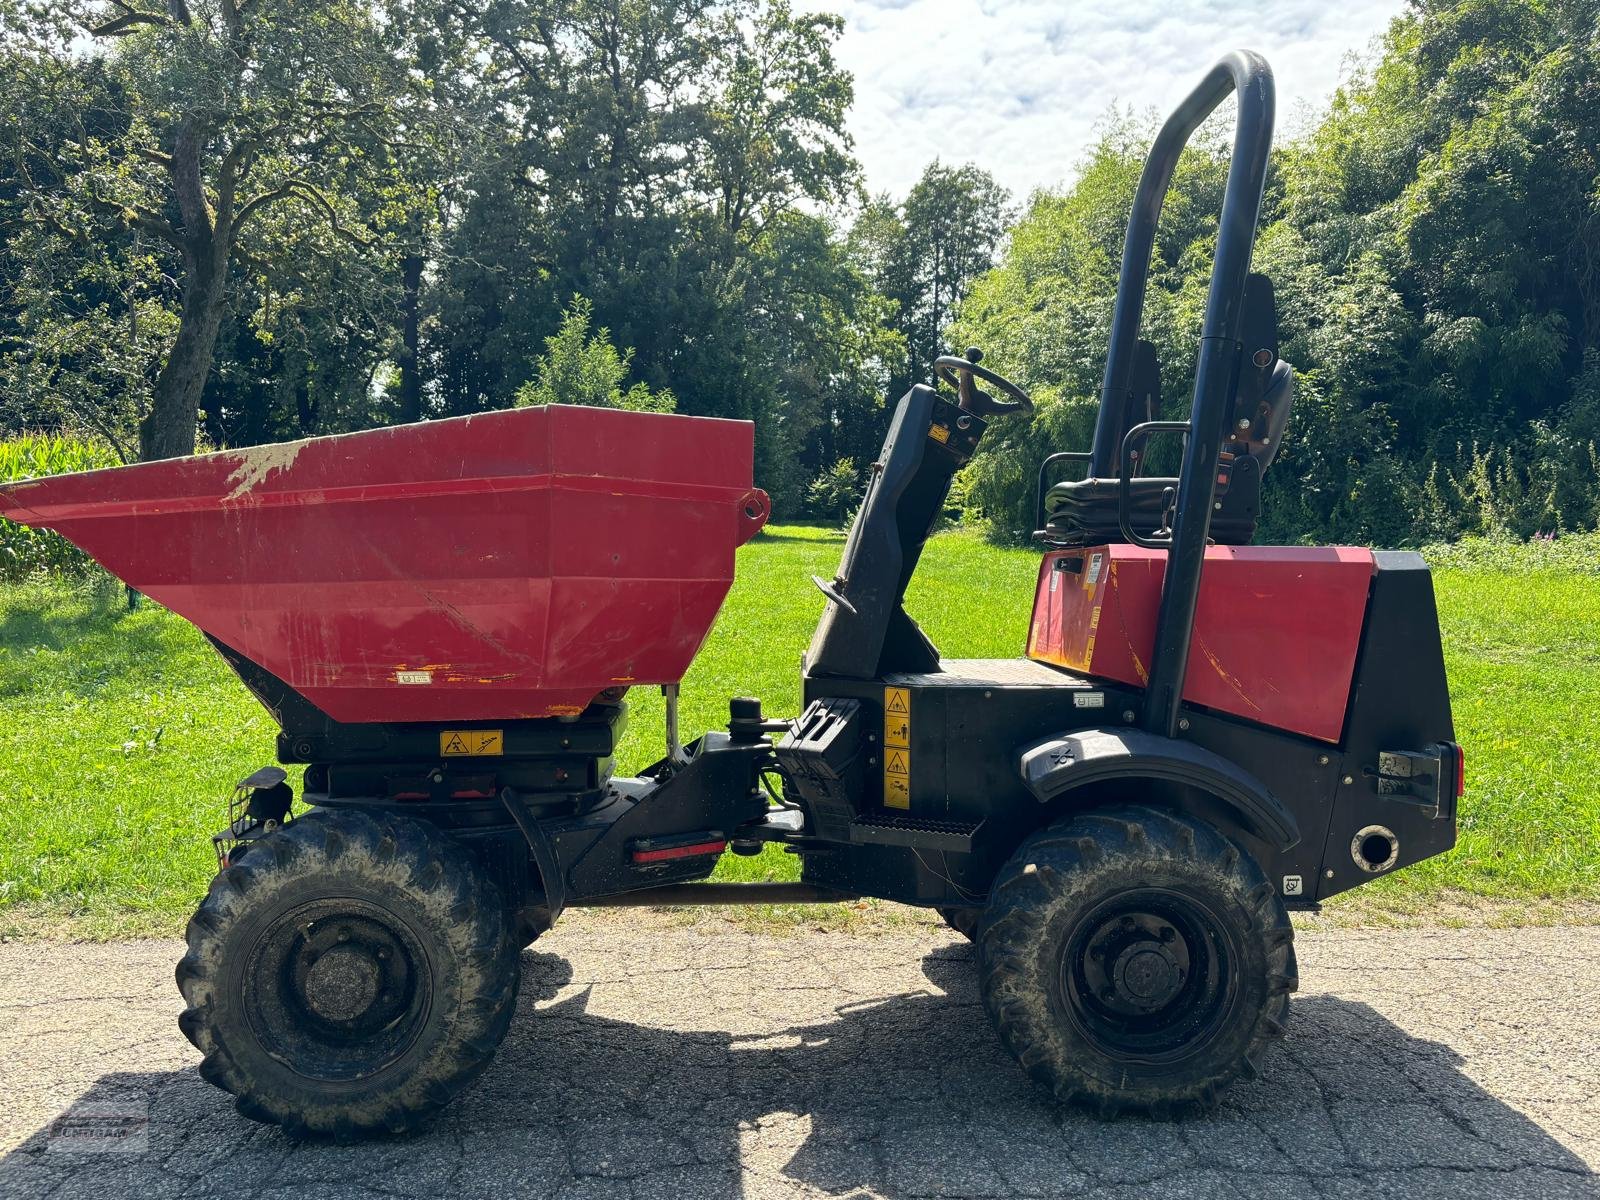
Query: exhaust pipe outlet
pixel 1375 849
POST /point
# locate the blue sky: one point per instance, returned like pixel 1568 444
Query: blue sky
pixel 1019 86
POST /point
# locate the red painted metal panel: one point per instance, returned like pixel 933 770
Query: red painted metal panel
pixel 513 564
pixel 1276 634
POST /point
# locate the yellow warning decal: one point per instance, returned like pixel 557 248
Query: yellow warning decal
pixel 897 731
pixel 471 743
pixel 897 747
pixel 896 792
pixel 897 718
pixel 897 778
pixel 939 433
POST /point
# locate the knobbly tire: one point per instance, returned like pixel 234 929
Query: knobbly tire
pixel 1136 960
pixel 963 920
pixel 349 975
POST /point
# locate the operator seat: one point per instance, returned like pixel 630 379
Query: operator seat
pixel 1084 512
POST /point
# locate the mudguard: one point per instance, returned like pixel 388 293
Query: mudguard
pixel 1058 765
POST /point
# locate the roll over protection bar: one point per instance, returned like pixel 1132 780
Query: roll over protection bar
pixel 1246 74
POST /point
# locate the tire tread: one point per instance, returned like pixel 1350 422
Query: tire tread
pixel 1011 947
pixel 416 859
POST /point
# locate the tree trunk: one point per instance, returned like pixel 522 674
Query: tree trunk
pixel 410 307
pixel 169 429
pixel 304 402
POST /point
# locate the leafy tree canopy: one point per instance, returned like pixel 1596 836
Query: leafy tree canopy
pixel 1434 244
pixel 245 220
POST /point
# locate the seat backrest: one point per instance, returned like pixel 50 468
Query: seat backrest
pixel 1087 510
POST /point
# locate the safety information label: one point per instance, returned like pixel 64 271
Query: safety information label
pixel 471 743
pixel 896 747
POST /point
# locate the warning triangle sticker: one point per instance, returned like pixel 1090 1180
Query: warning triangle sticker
pixel 896 763
pixel 455 745
pixel 897 701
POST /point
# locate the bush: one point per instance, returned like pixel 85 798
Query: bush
pixel 578 367
pixel 1566 554
pixel 25 551
pixel 834 492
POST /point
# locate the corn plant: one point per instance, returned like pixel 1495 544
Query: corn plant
pixel 25 551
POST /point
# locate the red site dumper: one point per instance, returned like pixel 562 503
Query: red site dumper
pixel 445 620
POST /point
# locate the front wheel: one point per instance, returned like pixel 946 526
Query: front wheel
pixel 1136 960
pixel 351 974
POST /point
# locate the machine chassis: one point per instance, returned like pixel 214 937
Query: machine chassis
pixel 1124 858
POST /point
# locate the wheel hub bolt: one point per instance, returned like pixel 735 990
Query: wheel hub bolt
pixel 342 985
pixel 1146 974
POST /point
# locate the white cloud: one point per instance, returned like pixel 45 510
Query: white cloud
pixel 1018 86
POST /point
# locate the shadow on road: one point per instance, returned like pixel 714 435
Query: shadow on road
pixel 900 1096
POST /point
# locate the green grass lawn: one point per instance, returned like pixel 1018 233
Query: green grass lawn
pixel 123 733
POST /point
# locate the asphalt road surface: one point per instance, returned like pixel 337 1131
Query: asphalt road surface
pixel 673 1063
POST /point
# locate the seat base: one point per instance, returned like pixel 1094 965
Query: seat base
pixel 1084 512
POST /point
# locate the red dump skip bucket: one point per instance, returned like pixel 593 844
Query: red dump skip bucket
pixel 513 564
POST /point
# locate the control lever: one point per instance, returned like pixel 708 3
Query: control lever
pixel 1169 506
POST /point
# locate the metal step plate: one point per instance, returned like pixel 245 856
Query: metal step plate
pixel 894 829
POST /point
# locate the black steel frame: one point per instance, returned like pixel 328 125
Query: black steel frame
pixel 1217 370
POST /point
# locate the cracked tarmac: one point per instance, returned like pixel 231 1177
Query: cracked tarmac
pixel 679 1064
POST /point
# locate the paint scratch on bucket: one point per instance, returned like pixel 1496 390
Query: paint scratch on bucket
pixel 258 462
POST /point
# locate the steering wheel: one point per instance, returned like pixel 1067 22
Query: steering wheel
pixel 958 373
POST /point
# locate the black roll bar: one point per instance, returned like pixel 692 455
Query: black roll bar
pixel 1217 369
pixel 1060 456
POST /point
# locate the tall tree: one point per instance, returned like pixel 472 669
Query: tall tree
pixel 659 158
pixel 1460 172
pixel 231 109
pixel 79 320
pixel 927 251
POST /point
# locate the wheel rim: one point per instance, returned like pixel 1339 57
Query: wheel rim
pixel 337 989
pixel 1149 975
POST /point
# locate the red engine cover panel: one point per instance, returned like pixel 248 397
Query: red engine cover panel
pixel 1276 630
pixel 513 564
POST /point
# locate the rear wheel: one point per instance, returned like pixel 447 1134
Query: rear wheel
pixel 350 974
pixel 1136 960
